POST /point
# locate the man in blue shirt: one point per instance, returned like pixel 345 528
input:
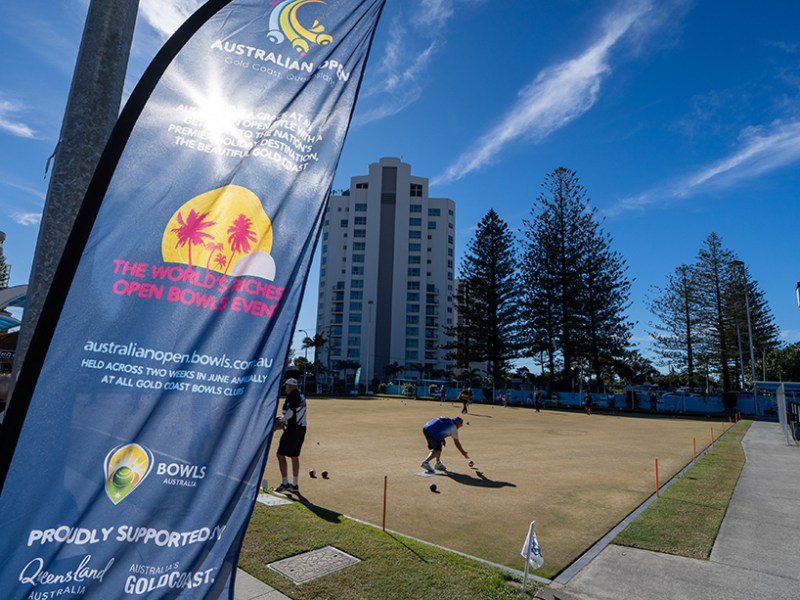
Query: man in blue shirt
pixel 435 432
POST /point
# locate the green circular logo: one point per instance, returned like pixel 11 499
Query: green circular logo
pixel 123 477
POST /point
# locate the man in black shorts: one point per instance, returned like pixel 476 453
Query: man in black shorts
pixel 293 421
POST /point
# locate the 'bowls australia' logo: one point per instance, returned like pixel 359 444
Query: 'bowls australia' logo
pixel 284 24
pixel 126 467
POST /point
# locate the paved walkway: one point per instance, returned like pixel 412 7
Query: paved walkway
pixel 250 588
pixel 756 554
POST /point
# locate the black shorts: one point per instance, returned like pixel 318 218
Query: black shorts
pixel 433 444
pixel 292 441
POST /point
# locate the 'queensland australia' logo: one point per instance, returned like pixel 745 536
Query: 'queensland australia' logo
pixel 126 467
pixel 285 25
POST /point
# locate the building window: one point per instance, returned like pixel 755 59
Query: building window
pixel 449 239
pixel 362 186
pixel 412 296
pixel 415 235
pixel 356 295
pixel 414 247
pixel 356 306
pixel 415 222
pixel 416 190
pixel 413 271
pixel 412 331
pixel 360 233
pixel 357 270
pixel 434 212
pixel 353 341
pixel 415 208
pixel 361 207
pixel 354 318
pixel 352 352
pixel 431 224
pixel 412 308
pixel 413 285
pixel 358 258
pixel 360 221
pixel 343 223
pixel 354 329
pixel 412 319
pixel 359 246
pixel 412 355
pixel 413 260
pixel 357 283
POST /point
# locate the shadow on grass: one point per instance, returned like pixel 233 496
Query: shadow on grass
pixel 477 415
pixel 407 547
pixel 322 513
pixel 480 481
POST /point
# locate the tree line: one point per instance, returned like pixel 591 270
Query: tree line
pixel 559 295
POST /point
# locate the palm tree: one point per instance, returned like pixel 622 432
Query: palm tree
pixel 212 247
pixel 189 231
pixel 420 368
pixel 393 370
pixel 240 237
pixel 317 342
pixel 221 261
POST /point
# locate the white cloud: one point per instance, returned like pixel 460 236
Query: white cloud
pixel 26 218
pixel 166 17
pixel 760 150
pixel 413 42
pixel 557 96
pixel 10 124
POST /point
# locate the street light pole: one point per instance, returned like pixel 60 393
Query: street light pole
pixel 305 363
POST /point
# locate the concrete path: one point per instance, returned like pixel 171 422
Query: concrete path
pixel 756 554
pixel 250 588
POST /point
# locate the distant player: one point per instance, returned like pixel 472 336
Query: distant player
pixel 435 432
pixel 465 397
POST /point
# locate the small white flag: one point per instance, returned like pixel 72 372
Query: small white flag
pixel 531 550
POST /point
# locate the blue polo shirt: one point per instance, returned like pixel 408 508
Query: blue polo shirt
pixel 438 429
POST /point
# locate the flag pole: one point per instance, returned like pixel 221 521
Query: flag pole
pixel 527 557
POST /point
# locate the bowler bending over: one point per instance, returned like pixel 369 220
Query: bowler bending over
pixel 435 432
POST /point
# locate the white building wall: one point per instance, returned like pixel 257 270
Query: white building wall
pixel 376 247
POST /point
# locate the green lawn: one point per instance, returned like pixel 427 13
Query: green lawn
pixel 686 518
pixel 392 567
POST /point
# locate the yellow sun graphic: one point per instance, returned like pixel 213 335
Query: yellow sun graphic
pixel 224 230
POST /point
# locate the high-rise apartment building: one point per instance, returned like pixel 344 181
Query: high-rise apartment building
pixel 386 273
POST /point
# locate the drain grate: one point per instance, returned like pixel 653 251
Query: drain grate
pixel 310 565
pixel 271 500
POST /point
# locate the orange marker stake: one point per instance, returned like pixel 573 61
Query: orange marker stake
pixel 712 437
pixel 657 492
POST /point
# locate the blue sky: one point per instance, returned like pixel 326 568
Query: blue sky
pixel 680 117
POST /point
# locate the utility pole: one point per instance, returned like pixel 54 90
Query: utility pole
pixel 92 109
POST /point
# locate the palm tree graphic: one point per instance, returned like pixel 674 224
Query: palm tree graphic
pixel 240 237
pixel 221 261
pixel 212 247
pixel 189 233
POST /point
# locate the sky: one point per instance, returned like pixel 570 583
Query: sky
pixel 680 118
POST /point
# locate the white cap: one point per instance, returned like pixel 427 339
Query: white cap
pixel 290 382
